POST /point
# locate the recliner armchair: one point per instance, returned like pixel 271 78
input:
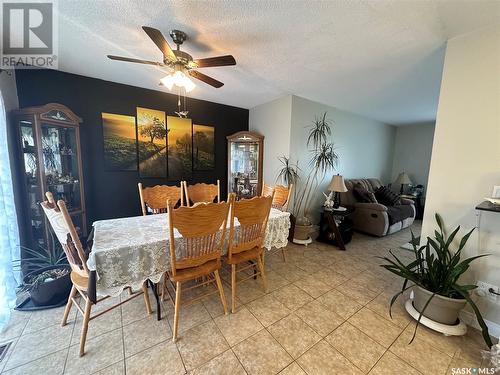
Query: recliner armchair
pixel 373 218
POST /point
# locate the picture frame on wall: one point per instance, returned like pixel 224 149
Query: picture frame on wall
pixel 152 135
pixel 120 142
pixel 203 147
pixel 180 148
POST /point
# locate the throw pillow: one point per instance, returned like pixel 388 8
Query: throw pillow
pixel 372 197
pixel 386 196
pixel 363 195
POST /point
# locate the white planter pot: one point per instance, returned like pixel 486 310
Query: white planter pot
pixel 302 231
pixel 441 309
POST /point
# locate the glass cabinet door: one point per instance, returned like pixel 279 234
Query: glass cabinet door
pixel 49 160
pixel 60 162
pixel 244 169
pixel 32 179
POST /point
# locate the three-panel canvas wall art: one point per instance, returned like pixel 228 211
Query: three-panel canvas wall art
pixel 157 145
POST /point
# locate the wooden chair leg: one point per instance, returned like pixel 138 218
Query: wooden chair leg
pixel 233 288
pixel 72 295
pixel 177 309
pixel 146 298
pixel 85 326
pixel 262 273
pixel 221 291
pixel 164 287
pixel 283 253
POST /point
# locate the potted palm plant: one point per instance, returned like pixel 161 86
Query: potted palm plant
pixel 434 275
pixel 288 175
pixel 323 160
pixel 47 277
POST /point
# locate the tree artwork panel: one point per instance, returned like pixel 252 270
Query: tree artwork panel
pixel 180 148
pixel 203 147
pixel 152 142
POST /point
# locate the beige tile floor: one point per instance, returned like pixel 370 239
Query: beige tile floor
pixel 326 312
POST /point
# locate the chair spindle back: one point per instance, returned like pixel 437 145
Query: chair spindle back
pixel 65 231
pixel 252 214
pixel 156 197
pixel 202 192
pixel 203 230
pixel 281 195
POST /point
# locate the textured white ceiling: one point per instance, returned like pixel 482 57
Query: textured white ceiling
pixel 382 59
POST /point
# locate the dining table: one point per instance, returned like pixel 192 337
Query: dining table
pixel 127 252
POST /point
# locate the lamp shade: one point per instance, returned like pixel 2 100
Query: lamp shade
pixel 403 179
pixel 337 184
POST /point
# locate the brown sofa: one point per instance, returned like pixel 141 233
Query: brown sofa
pixel 373 218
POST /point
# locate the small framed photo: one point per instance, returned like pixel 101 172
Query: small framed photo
pixel 496 192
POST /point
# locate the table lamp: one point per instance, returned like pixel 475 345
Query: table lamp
pixel 337 186
pixel 402 180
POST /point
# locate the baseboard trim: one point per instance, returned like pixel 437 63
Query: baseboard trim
pixel 470 319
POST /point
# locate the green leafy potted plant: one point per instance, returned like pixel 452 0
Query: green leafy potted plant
pixel 47 277
pixel 288 175
pixel 434 275
pixel 323 159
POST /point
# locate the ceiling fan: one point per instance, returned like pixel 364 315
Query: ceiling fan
pixel 181 62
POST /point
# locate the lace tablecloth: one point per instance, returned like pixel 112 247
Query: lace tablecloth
pixel 128 251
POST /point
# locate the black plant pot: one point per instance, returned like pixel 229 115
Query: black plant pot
pixel 51 292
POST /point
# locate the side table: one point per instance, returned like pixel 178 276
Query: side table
pixel 329 229
pixel 419 205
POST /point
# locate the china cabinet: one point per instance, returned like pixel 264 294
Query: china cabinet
pixel 245 157
pixel 50 160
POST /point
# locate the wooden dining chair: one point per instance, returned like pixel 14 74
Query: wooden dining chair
pixel 197 255
pixel 245 241
pixel 202 192
pixel 281 195
pixel 84 281
pixel 155 198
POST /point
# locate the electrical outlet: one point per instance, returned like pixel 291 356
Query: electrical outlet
pixel 483 290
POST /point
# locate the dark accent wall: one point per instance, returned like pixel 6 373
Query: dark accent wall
pixel 114 194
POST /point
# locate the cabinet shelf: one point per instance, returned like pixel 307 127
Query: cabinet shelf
pixel 65 184
pixel 60 154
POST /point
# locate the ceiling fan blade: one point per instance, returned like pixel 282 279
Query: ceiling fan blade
pixel 158 39
pixel 138 61
pixel 202 77
pixel 215 61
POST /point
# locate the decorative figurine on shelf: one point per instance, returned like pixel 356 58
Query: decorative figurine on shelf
pixel 329 203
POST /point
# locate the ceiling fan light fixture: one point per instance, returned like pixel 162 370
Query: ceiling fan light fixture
pixel 168 81
pixel 181 62
pixel 179 79
pixel 187 83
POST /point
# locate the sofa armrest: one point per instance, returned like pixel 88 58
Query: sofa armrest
pixel 370 206
pixel 407 201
